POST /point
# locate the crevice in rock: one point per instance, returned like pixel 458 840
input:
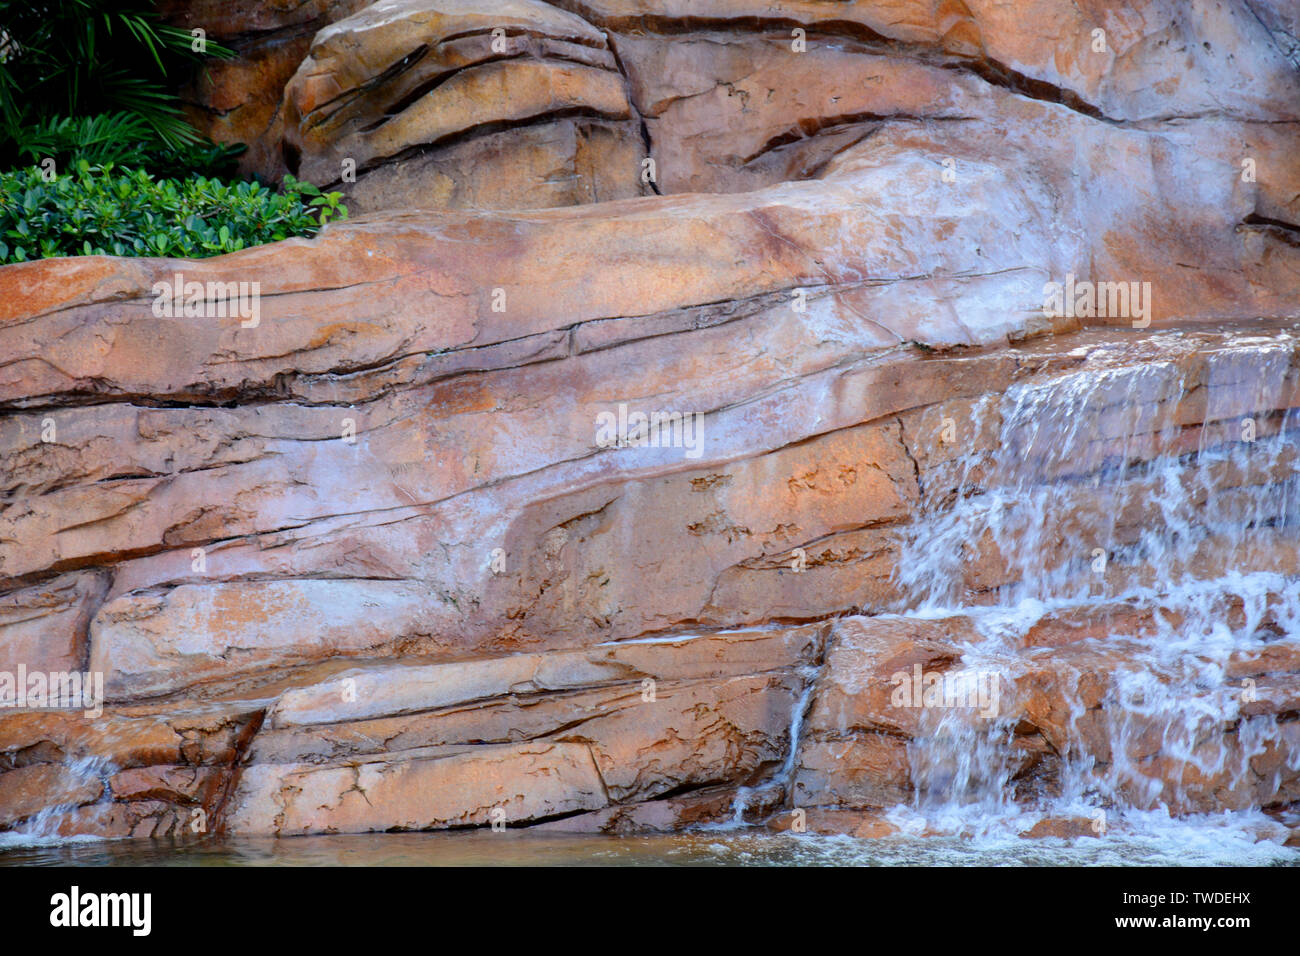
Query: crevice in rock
pixel 242 746
pixel 916 468
pixel 807 129
pixel 646 141
pixel 438 79
pixel 486 129
pixel 323 112
pixel 996 74
pixel 103 583
pixel 991 71
pixel 1287 232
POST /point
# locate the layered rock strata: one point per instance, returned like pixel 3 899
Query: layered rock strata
pixel 379 544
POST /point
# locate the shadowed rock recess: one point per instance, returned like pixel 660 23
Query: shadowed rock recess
pixel 913 548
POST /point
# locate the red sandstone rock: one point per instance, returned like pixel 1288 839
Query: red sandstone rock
pixel 863 824
pixel 435 80
pixel 666 815
pixel 27 790
pixel 519 782
pixel 387 479
pixel 1063 828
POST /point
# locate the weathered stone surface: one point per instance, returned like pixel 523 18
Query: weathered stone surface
pixel 854 694
pixel 666 815
pixel 521 782
pixel 372 291
pixel 27 790
pixel 564 162
pixel 128 772
pixel 176 784
pixel 150 645
pixel 863 824
pixel 400 78
pixel 1064 828
pixel 654 719
pixel 869 770
pixel 1159 58
pixel 385 691
pixel 725 732
pixel 727 101
pixel 44 627
pixel 379 512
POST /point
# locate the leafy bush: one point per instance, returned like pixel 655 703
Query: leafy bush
pixel 123 212
pixel 88 79
pixel 191 159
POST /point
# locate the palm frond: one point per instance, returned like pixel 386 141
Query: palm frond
pixel 90 59
pixel 105 138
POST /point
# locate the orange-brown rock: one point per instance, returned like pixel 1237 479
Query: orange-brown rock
pixel 644 720
pixel 665 815
pixel 44 627
pixel 1064 828
pixel 403 100
pixel 26 791
pixel 129 772
pixel 830 821
pixel 368 557
pixel 518 781
pixel 1099 701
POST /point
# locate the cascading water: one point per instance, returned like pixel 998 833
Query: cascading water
pixel 42 827
pixel 1154 484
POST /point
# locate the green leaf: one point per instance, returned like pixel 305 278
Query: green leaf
pixel 102 209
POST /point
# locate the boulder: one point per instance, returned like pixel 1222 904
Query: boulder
pixel 403 102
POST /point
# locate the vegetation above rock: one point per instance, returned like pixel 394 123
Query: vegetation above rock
pixel 104 210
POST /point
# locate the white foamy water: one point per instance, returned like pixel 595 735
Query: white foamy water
pixel 41 829
pixel 1101 491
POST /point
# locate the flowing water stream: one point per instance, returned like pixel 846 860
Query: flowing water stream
pixel 1153 486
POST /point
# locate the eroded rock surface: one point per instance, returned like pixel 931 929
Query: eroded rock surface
pixel 361 559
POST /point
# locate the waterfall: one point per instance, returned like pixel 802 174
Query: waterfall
pixel 43 826
pixel 1155 481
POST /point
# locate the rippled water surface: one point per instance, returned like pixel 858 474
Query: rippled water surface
pixel 1210 842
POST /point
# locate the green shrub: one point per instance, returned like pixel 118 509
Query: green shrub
pixel 109 211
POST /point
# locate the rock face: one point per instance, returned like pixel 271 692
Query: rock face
pixel 407 94
pixel 626 515
pixel 239 100
pixel 525 737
